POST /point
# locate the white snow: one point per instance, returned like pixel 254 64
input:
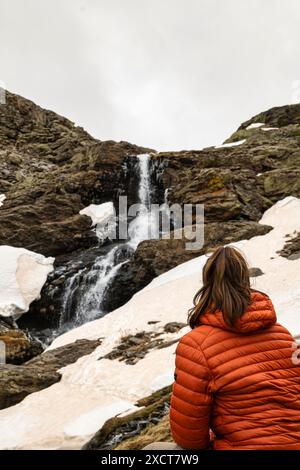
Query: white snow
pixel 22 276
pixel 104 217
pixel 269 128
pixel 99 213
pixel 231 144
pixel 90 422
pixel 2 199
pixel 94 390
pixel 255 125
pixel 162 380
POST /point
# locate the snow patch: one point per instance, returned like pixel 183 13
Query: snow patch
pixel 99 213
pixel 255 125
pixel 231 144
pixel 162 381
pixel 89 423
pixel 22 276
pixel 104 217
pixel 269 128
pixel 2 199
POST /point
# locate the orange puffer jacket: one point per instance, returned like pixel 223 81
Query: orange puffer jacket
pixel 240 385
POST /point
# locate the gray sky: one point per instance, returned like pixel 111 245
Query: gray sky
pixel 168 74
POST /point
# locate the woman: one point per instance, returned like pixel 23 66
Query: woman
pixel 236 383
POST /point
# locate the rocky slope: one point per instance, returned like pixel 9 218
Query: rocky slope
pixel 49 170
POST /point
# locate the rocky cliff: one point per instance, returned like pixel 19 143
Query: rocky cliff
pixel 50 169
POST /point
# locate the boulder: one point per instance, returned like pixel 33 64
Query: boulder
pixel 18 381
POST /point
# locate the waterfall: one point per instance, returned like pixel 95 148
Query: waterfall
pixel 144 186
pixel 85 290
pixel 145 223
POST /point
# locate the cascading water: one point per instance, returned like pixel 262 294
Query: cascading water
pixel 85 290
pixel 144 224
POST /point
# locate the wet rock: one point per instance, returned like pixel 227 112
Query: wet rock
pixel 18 381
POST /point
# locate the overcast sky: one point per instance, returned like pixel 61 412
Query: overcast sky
pixel 168 74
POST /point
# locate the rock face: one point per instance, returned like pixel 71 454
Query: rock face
pixel 16 382
pixel 50 170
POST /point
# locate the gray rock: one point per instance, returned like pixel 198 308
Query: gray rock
pixel 255 272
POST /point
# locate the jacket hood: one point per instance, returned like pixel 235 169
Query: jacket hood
pixel 259 315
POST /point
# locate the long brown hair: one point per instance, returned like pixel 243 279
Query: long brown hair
pixel 226 287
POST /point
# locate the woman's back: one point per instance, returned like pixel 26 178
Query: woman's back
pixel 241 382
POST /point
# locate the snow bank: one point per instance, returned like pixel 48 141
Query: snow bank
pixel 58 417
pixel 2 199
pixel 22 276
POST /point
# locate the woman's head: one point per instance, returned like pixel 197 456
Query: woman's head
pixel 226 287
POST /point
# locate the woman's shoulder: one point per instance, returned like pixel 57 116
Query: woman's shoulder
pixel 196 337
